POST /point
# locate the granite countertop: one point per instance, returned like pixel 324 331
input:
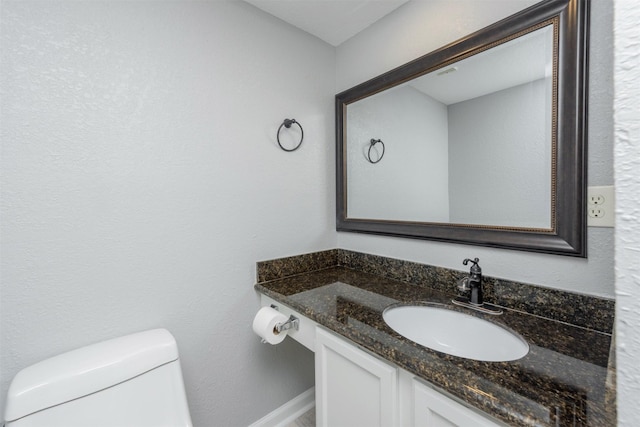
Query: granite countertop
pixel 562 381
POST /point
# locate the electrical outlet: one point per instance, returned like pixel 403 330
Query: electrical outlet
pixel 601 206
pixel 596 213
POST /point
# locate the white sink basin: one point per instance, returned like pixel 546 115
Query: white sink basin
pixel 455 333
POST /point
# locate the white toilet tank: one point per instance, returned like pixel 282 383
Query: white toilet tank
pixel 134 380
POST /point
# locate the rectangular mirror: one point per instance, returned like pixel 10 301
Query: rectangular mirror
pixel 479 142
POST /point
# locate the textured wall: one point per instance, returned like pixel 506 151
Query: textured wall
pixel 420 27
pixel 141 181
pixel 627 165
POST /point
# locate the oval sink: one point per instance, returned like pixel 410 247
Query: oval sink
pixel 455 333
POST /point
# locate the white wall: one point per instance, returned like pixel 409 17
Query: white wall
pixel 416 152
pixel 419 27
pixel 141 181
pixel 627 166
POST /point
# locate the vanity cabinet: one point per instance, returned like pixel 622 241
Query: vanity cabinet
pixel 353 388
pixel 562 381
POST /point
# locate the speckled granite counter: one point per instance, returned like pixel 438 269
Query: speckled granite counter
pixel 564 380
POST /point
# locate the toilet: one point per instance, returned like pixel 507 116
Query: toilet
pixel 134 380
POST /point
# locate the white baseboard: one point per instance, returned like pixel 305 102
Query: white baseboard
pixel 289 411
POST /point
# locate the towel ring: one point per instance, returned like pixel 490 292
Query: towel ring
pixel 374 142
pixel 287 123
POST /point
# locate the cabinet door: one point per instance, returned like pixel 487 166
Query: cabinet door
pixel 433 409
pixel 353 388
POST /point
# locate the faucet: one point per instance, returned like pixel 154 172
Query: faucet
pixel 473 283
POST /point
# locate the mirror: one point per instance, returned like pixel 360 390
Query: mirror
pixel 479 142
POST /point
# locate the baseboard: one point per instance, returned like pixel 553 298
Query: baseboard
pixel 289 411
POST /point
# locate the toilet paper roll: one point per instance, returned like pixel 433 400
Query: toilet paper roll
pixel 265 322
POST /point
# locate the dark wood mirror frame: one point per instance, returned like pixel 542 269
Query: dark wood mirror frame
pixel 567 235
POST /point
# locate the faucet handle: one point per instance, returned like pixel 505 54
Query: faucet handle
pixel 475 268
pixel 475 261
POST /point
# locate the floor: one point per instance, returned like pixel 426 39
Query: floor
pixel 308 419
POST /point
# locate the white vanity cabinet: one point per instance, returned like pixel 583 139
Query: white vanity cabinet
pixel 356 389
pixel 353 388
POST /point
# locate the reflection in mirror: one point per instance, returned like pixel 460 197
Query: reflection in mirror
pixel 468 143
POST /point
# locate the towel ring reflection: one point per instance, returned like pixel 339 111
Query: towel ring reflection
pixel 374 142
pixel 287 124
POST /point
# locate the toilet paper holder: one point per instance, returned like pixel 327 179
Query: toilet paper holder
pixel 292 323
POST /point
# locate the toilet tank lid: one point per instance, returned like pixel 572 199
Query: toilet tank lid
pixel 87 370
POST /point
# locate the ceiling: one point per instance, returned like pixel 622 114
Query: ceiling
pixel 333 21
pixel 522 60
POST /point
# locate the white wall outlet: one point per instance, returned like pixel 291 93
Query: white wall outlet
pixel 601 206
